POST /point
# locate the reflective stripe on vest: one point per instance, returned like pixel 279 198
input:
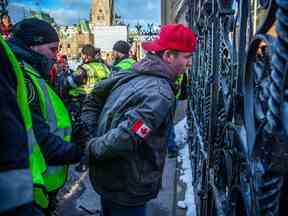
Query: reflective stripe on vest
pixel 95 72
pixel 19 183
pixel 38 168
pixel 126 64
pixel 57 116
pixel 36 158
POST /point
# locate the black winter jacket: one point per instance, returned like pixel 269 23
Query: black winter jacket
pixel 14 149
pixel 129 114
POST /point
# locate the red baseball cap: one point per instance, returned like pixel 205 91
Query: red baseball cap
pixel 173 36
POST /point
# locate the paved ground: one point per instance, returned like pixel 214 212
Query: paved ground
pixel 79 199
pixel 164 205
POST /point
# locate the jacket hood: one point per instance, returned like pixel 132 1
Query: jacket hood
pixel 151 65
pixel 38 61
pixel 154 65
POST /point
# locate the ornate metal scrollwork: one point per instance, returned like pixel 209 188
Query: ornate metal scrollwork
pixel 237 106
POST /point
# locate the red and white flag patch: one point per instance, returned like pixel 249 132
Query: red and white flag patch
pixel 141 129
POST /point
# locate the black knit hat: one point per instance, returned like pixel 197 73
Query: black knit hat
pixel 33 32
pixel 122 47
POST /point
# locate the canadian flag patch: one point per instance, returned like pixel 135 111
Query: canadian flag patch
pixel 141 129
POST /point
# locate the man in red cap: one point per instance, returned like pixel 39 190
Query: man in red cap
pixel 129 115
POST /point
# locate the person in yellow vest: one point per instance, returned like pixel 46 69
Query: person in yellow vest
pixel 35 43
pixel 17 174
pixel 98 56
pixel 89 73
pixel 120 55
pixel 83 80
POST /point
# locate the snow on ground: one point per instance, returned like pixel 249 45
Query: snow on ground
pixel 186 170
pixel 180 131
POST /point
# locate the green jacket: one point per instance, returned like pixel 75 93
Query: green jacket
pixel 125 64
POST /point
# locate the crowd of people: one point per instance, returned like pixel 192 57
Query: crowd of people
pixel 115 119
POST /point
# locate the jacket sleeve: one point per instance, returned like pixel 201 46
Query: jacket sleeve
pixel 55 150
pixel 80 76
pixel 14 146
pixel 138 123
pixel 93 105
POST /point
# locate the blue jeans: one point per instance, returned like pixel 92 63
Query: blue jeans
pixel 112 209
pixel 171 139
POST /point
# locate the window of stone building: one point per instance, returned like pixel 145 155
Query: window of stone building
pixel 68 46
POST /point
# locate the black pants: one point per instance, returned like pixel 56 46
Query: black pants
pixel 25 210
pixel 112 209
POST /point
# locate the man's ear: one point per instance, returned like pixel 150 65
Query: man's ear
pixel 168 56
pixel 84 57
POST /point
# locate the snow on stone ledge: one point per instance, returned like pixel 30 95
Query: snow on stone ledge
pixel 186 170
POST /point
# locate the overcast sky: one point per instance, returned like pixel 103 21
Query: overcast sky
pixel 68 12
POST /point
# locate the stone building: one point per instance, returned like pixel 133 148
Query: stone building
pixel 72 39
pixel 43 16
pixel 102 12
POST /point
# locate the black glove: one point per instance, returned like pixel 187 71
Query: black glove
pixel 80 134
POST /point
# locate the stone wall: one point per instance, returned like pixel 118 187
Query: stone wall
pixel 72 45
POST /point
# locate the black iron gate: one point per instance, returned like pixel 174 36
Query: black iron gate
pixel 237 106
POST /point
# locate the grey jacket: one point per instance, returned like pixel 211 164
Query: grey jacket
pixel 128 115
